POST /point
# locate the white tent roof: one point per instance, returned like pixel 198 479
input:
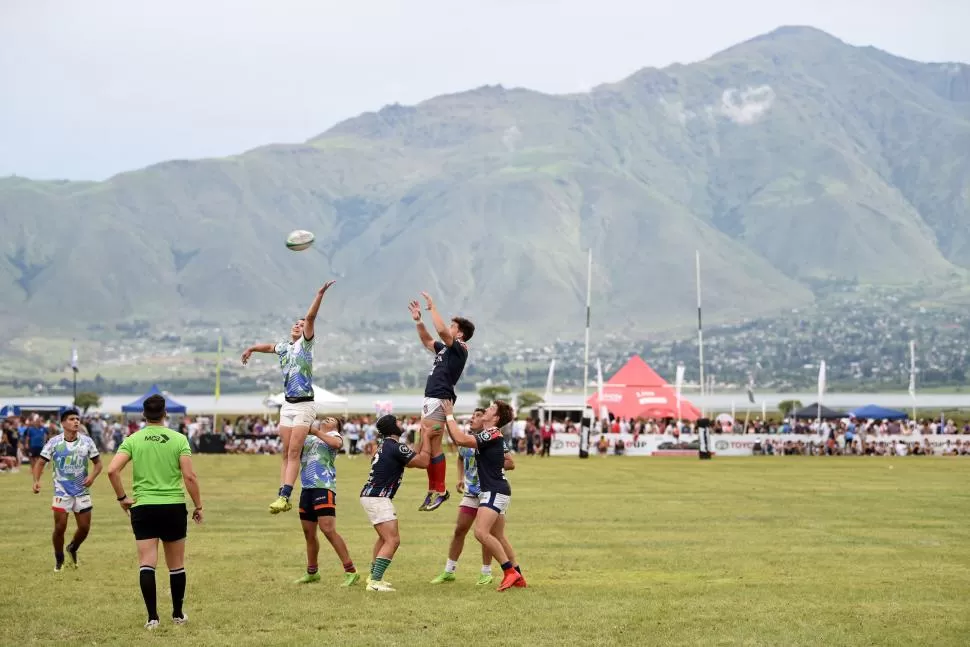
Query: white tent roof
pixel 320 396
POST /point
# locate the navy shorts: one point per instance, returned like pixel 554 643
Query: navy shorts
pixel 316 503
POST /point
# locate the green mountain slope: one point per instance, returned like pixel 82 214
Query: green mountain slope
pixel 786 159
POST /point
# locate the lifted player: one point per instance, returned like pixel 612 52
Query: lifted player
pixel 386 474
pixel 298 412
pixel 451 353
pixel 468 508
pixel 318 499
pixel 495 490
pixel 69 451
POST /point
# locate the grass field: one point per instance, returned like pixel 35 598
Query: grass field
pixel 617 551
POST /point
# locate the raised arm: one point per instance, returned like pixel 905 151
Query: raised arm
pixel 439 324
pixel 426 339
pixel 257 348
pixel 459 437
pixel 311 313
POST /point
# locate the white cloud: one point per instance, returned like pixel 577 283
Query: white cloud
pixel 746 106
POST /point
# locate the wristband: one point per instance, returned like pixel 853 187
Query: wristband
pixel 122 497
pixel 450 417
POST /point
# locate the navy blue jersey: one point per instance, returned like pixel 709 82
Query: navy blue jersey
pixel 387 469
pixel 449 362
pixel 491 462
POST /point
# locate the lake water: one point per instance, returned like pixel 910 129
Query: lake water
pixel 411 404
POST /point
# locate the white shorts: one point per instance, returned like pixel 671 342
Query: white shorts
pixel 80 503
pixel 432 410
pixel 298 414
pixel 494 501
pixel 469 501
pixel 379 509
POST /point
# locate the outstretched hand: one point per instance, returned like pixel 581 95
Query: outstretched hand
pixel 427 300
pixel 246 355
pixel 326 286
pixel 415 309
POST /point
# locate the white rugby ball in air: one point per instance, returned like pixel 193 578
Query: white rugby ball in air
pixel 299 240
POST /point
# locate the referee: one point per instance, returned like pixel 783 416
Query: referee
pixel 161 463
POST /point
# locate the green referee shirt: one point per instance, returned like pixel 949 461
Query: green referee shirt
pixel 156 475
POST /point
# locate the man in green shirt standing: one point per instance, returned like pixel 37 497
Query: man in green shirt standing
pixel 161 463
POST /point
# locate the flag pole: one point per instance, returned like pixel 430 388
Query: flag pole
pixel 584 438
pixel 700 331
pixel 912 374
pixel 74 369
pixel 215 416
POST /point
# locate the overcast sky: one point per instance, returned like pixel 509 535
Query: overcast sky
pixel 88 89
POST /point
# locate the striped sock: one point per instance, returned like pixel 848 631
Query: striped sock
pixel 176 580
pixel 312 570
pixel 381 564
pixel 349 567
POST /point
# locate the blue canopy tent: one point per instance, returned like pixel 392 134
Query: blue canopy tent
pixel 171 406
pixel 874 412
pixel 9 410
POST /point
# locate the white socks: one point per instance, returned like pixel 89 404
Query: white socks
pixel 451 566
pixel 487 569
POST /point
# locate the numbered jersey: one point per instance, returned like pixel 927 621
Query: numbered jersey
pixel 70 463
pixel 387 469
pixel 449 363
pixel 491 462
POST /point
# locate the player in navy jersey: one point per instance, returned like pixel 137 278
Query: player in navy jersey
pixel 450 353
pixel 376 497
pixel 468 508
pixel 496 492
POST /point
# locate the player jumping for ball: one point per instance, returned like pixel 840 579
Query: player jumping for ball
pixel 318 499
pixel 451 353
pixel 69 452
pixel 468 508
pixel 495 490
pixel 298 412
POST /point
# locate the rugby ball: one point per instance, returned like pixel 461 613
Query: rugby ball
pixel 299 240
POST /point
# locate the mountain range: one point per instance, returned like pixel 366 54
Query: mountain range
pixel 789 160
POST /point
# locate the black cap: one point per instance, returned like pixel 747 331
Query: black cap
pixel 387 426
pixel 703 422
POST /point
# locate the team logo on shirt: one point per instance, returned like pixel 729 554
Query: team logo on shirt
pixel 485 436
pixel 405 449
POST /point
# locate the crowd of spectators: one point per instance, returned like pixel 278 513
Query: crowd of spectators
pixel 24 437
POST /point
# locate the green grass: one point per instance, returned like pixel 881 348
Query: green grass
pixel 756 551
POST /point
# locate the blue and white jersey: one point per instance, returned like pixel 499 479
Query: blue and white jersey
pixel 70 462
pixel 296 364
pixel 470 465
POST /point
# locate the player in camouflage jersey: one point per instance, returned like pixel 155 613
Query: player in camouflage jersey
pixel 298 412
pixel 69 452
pixel 468 484
pixel 318 499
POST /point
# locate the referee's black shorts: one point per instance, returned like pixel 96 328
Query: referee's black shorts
pixel 168 522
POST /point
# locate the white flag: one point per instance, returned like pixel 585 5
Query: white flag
pixel 821 380
pixel 549 379
pixel 604 412
pixel 912 369
pixel 74 359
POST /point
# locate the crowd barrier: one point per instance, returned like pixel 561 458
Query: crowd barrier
pixel 724 444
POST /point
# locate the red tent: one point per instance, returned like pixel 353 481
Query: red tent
pixel 636 391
